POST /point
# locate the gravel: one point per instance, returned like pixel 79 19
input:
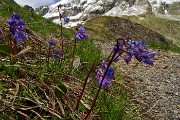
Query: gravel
pixel 155 89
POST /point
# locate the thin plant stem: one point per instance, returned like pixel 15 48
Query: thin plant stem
pixel 60 16
pixel 15 52
pixel 85 82
pixel 40 54
pixel 62 46
pixel 110 55
pixel 48 56
pixel 74 51
pixel 94 100
pixel 61 30
pixel 9 45
pixel 61 34
pixel 61 61
pixel 112 50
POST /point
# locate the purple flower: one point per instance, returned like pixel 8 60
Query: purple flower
pixel 57 54
pixel 52 43
pixel 20 22
pixel 21 56
pixel 17 27
pixel 128 59
pixel 11 21
pixel 141 53
pixel 134 48
pixel 82 37
pixel 15 16
pixel 109 76
pixel 19 36
pixel 66 19
pixel 105 82
pixel 116 59
pixel 21 27
pixel 120 50
pixel 82 30
pixel 146 57
pixel 110 73
pixel 81 34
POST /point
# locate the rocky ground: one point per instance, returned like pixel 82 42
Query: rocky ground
pixel 155 89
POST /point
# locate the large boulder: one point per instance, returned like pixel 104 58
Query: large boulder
pixel 131 2
pixel 42 10
pixel 29 8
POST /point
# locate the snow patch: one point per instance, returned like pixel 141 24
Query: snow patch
pixel 160 1
pixel 86 7
pixel 76 16
pixel 69 24
pixel 117 11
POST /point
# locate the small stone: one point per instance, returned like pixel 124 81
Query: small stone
pixel 175 111
pixel 176 93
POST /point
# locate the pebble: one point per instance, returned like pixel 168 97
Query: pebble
pixel 155 88
pixel 157 84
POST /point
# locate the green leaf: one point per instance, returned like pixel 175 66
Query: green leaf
pixel 3 50
pixel 61 91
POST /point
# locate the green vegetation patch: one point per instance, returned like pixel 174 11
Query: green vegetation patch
pixel 3 50
pixel 165 33
pixel 174 8
pixel 170 29
pixel 35 22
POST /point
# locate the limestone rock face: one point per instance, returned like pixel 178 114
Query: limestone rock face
pixel 80 10
pixel 42 10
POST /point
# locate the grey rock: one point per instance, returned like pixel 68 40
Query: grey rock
pixel 29 8
pixel 42 10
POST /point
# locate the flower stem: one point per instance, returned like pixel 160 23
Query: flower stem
pixel 40 53
pixel 85 82
pixel 110 55
pixel 94 100
pixel 10 45
pixel 74 51
pixel 48 56
pixel 15 51
pixel 61 30
pixel 113 50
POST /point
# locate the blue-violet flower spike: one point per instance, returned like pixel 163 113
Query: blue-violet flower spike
pixel 66 19
pixel 57 54
pixel 81 34
pixel 52 43
pixel 108 77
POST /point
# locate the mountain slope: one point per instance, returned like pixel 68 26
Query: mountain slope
pixel 31 67
pixel 106 29
pixel 42 26
pixel 44 88
pixel 170 29
pixel 82 10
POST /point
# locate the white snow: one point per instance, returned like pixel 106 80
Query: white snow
pixel 92 5
pixel 117 11
pixel 167 1
pixel 96 8
pixel 52 14
pixel 62 2
pixel 91 1
pixel 76 16
pixel 69 24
